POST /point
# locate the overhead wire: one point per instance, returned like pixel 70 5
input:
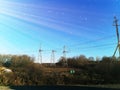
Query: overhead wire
pixel 76 45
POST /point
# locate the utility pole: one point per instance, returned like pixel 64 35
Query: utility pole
pixel 117 33
pixel 64 56
pixel 53 57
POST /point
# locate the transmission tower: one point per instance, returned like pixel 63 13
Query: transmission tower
pixel 40 55
pixel 53 57
pixel 64 56
pixel 117 33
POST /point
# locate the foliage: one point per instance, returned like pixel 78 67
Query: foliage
pixel 87 71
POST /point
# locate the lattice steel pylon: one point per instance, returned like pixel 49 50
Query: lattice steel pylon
pixel 53 57
pixel 64 56
pixel 40 55
pixel 118 39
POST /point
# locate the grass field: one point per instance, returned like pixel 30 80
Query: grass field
pixel 5 88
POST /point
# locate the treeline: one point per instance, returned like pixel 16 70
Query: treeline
pixel 89 71
pixel 24 70
pixel 84 71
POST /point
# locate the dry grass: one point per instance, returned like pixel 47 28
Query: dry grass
pixel 5 88
pixel 56 69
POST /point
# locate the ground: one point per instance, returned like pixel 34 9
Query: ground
pixel 81 87
pixel 5 88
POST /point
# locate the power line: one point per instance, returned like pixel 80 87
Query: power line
pixel 93 41
pixel 95 46
pixel 96 40
pixel 83 43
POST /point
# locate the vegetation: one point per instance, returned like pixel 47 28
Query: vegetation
pixel 79 71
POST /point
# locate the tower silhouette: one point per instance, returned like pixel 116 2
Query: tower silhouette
pixel 118 40
pixel 40 55
pixel 64 56
pixel 53 57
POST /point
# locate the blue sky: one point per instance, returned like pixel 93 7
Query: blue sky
pixel 83 26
